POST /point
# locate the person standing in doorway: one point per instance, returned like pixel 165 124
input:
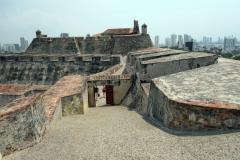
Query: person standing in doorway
pixel 96 92
pixel 104 91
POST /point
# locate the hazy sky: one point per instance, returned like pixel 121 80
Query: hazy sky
pixel 212 18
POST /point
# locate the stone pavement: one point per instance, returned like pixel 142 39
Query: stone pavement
pixel 115 132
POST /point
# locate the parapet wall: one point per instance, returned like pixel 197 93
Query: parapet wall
pixel 199 115
pixel 202 99
pixel 23 124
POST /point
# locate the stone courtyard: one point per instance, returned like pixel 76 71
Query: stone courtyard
pixel 115 132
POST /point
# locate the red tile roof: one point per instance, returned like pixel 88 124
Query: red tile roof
pixel 119 31
pixel 12 89
pixel 19 89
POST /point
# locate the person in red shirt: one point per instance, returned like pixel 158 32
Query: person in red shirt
pixel 104 91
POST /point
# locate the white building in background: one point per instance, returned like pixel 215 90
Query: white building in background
pixel 167 42
pixel 9 47
pixel 180 41
pixel 185 38
pixel 229 44
pixel 22 42
pixel 26 44
pixel 189 38
pixel 64 35
pixel 204 40
pixel 156 41
pixel 173 39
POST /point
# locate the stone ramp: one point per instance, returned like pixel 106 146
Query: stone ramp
pixel 115 132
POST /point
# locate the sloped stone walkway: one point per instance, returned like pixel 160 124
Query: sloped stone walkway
pixel 114 132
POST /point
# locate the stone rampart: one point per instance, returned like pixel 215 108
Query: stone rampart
pixel 119 44
pixel 128 43
pixel 47 72
pixel 23 123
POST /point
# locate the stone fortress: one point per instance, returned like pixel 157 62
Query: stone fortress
pixel 181 90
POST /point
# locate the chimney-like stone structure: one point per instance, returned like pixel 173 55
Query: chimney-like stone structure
pixel 136 27
pixel 144 29
pixel 38 34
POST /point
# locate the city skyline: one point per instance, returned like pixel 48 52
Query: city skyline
pixel 22 19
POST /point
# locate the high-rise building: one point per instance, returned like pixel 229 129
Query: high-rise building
pixel 219 40
pixel 173 39
pixel 229 44
pixel 156 41
pixel 26 44
pixel 185 38
pixel 64 35
pixel 167 42
pixel 16 47
pixel 22 41
pixel 180 41
pixel 8 47
pixel 210 40
pixel 204 40
pixel 189 38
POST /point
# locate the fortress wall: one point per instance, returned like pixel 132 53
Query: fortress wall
pixel 70 45
pixel 22 124
pixel 165 66
pixel 120 44
pixel 48 73
pixel 125 44
pixel 53 46
pixel 191 115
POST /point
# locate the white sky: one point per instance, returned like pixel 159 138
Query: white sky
pixel 211 18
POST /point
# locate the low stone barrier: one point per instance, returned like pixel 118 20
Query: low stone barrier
pixel 23 124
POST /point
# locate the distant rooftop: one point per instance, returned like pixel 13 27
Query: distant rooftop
pixel 119 31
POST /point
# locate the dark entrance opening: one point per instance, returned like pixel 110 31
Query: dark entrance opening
pixel 100 99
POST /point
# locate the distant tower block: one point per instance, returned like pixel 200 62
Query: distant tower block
pixel 144 29
pixel 136 27
pixel 38 34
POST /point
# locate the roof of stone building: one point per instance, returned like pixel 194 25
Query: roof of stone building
pixel 119 31
pixel 66 86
